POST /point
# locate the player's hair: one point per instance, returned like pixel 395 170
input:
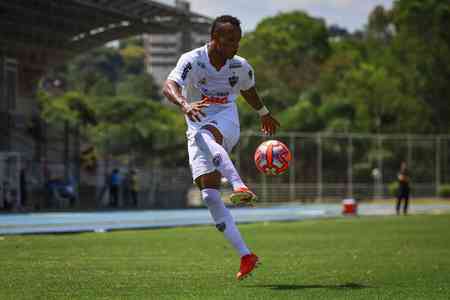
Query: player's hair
pixel 225 19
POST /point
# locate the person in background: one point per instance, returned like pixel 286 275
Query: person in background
pixel 403 188
pixel 23 188
pixel 114 185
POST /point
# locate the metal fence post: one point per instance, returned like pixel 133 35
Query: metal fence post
pixel 438 165
pixel 379 187
pixel 319 167
pixel 350 166
pixel 292 170
pixel 264 183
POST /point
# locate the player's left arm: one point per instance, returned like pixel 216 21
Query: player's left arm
pixel 269 124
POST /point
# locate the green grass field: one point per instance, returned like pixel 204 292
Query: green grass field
pixel 344 258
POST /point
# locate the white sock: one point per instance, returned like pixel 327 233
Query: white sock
pixel 219 157
pixel 224 220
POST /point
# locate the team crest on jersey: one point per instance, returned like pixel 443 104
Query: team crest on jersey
pixel 201 65
pixel 202 81
pixel 233 80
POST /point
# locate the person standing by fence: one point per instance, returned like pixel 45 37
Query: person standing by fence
pixel 403 188
pixel 114 185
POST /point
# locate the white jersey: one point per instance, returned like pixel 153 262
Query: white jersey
pixel 200 80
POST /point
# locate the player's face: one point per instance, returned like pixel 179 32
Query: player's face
pixel 228 40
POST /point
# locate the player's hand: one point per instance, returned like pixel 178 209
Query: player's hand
pixel 269 124
pixel 194 110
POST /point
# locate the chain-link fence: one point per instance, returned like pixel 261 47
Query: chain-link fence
pixel 10 166
pixel 325 167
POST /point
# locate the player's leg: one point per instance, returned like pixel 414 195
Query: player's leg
pixel 399 202
pixel 209 185
pixel 406 204
pixel 210 140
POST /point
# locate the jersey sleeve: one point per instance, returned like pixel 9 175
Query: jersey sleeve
pixel 248 78
pixel 182 72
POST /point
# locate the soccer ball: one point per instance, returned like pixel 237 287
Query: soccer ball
pixel 272 157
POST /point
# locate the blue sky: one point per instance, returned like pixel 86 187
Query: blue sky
pixel 351 14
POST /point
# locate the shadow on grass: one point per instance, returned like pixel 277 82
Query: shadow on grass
pixel 283 287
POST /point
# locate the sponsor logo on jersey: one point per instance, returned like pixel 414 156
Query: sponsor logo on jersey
pixel 215 100
pixel 233 80
pixel 186 70
pixel 235 65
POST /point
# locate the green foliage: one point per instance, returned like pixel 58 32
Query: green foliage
pixel 127 121
pixel 444 191
pixel 378 101
pixel 390 78
pixel 338 115
pixel 422 44
pixel 71 107
pixel 100 64
pixel 133 57
pixel 115 101
pixel 302 116
pixel 142 86
pixel 286 52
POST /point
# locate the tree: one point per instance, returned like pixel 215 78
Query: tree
pixel 380 106
pixel 286 52
pixel 142 86
pixel 86 70
pixel 422 47
pixel 127 122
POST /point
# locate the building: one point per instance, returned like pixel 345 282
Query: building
pixel 164 49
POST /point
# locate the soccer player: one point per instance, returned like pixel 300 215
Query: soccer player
pixel 205 84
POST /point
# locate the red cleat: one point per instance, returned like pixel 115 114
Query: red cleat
pixel 248 263
pixel 243 197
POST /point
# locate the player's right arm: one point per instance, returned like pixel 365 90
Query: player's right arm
pixel 179 78
pixel 193 110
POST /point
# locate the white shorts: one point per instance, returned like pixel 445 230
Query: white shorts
pixel 199 161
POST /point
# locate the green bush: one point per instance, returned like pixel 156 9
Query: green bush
pixel 393 188
pixel 444 191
